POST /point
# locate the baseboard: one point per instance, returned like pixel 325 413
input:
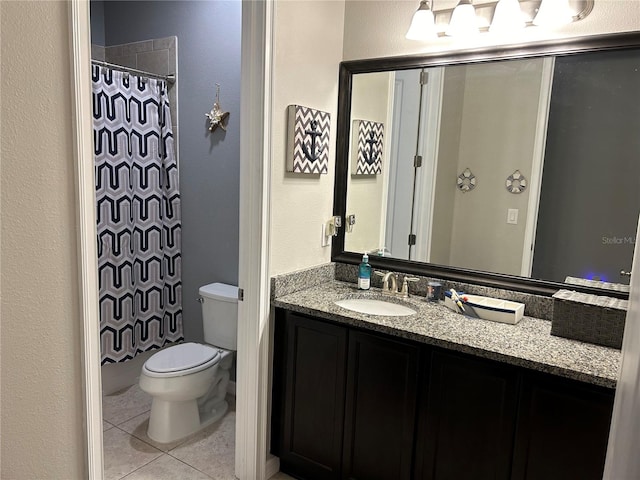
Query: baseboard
pixel 273 466
pixel 231 388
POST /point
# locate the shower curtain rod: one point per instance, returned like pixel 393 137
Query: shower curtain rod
pixel 171 78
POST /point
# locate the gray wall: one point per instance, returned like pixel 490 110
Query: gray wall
pixel 208 52
pixel 591 177
pixel 97 22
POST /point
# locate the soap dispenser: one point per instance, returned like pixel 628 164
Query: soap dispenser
pixel 364 273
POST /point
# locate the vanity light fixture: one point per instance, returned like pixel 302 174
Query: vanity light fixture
pixel 497 16
pixel 463 20
pixel 423 24
pixel 508 17
pixel 554 13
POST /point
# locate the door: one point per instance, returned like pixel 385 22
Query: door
pixel 467 419
pixel 406 124
pixel 309 383
pixel 562 430
pixel 380 408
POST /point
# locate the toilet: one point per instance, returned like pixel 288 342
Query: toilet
pixel 188 382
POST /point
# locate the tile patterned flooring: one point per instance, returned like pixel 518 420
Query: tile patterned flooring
pixel 130 454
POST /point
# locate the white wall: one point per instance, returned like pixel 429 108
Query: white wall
pixel 377 28
pixel 370 101
pixel 42 408
pixel 307 53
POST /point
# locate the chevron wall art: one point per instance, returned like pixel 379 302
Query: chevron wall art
pixel 307 140
pixel 366 150
pixel 138 215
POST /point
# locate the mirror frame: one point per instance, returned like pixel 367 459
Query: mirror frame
pixel 596 43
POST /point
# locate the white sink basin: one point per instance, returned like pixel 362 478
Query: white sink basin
pixel 375 307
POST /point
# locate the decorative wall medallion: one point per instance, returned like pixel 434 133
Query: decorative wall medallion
pixel 307 140
pixel 466 181
pixel 366 149
pixel 516 182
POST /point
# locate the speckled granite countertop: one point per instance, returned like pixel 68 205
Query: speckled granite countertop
pixel 528 344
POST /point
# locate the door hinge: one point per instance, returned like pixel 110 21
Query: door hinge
pixel 417 161
pixel 424 77
pixel 412 239
pixel 240 295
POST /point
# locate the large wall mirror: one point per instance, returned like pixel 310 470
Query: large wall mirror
pixel 517 167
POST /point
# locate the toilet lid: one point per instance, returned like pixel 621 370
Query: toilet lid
pixel 186 356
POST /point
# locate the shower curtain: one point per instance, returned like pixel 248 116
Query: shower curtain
pixel 138 215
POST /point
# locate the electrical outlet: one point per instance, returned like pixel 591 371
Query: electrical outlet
pixel 512 216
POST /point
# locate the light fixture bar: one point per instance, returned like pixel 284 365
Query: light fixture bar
pixel 485 11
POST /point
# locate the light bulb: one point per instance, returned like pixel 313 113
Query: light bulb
pixel 507 17
pixel 423 25
pixel 554 13
pixel 463 20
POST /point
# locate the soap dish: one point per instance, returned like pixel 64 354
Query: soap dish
pixel 488 308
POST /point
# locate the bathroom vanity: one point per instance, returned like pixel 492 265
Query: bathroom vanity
pixel 433 395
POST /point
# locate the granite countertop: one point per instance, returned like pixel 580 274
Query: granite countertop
pixel 527 344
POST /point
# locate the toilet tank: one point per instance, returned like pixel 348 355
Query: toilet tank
pixel 220 315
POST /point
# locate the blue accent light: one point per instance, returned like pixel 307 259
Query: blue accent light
pixel 596 276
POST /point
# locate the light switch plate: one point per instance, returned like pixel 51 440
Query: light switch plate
pixel 512 216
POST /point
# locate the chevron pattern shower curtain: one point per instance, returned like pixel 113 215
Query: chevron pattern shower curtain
pixel 138 215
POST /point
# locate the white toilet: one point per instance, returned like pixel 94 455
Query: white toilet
pixel 188 382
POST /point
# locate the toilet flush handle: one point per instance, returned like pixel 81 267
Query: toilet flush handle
pixel 200 300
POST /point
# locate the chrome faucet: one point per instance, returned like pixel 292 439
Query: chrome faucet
pixel 390 284
pixel 389 288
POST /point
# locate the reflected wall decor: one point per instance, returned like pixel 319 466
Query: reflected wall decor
pixel 367 147
pixel 516 182
pixel 307 140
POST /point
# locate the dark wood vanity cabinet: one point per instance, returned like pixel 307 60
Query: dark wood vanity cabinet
pixel 353 404
pixel 337 415
pixel 382 378
pixel 467 418
pixel 562 429
pixel 309 391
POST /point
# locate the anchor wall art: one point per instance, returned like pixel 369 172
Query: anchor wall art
pixel 308 140
pixel 366 151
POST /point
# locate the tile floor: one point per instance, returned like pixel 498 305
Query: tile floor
pixel 129 454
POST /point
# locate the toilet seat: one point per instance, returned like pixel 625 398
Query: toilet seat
pixel 183 359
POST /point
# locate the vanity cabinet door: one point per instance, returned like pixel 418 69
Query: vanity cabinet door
pixel 380 408
pixel 467 419
pixel 563 429
pixel 311 382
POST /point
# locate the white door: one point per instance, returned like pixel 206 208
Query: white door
pixel 425 186
pixel 535 184
pixel 623 460
pixel 406 117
